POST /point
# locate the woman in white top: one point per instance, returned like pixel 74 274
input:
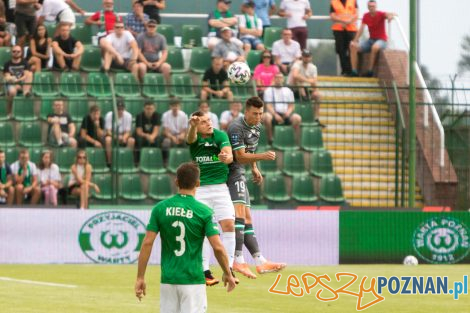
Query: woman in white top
pixel 49 178
pixel 80 179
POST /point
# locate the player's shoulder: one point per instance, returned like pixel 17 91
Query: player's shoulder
pixel 235 125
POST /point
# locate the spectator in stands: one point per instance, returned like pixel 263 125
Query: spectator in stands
pixel 264 9
pixel 205 108
pixel 220 18
pixel 7 191
pixel 286 51
pixel 147 128
pixel 17 76
pixel 280 104
pixel 228 116
pixel 297 13
pixel 80 179
pixel 303 75
pixel 375 22
pixel 9 11
pixel 92 129
pixel 104 19
pixel 175 124
pixel 26 180
pixel 61 129
pixel 123 128
pixel 135 21
pixel 228 49
pixel 251 28
pixel 49 178
pixel 25 20
pixel 264 72
pixel 215 81
pixel 5 37
pixel 344 15
pixel 121 51
pixel 152 8
pixel 39 49
pixel 153 52
pixel 59 11
pixel 67 50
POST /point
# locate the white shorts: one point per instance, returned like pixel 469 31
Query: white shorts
pixel 217 197
pixel 183 298
pixel 67 16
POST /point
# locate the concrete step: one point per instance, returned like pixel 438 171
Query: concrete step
pixel 355 106
pixel 364 170
pixel 359 155
pixel 375 195
pixel 348 162
pixel 374 186
pixel 356 121
pixel 349 84
pixel 371 178
pixel 360 147
pixel 380 203
pixel 351 80
pixel 327 112
pixel 359 138
pixel 353 129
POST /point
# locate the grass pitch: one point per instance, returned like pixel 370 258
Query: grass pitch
pixel 110 288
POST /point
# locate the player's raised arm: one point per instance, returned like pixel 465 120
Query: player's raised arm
pixel 192 131
pixel 247 158
pixel 222 258
pixel 144 256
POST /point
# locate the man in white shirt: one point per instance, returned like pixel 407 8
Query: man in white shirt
pixel 280 106
pixel 228 116
pixel 26 181
pixel 123 127
pixel 250 28
pixel 297 13
pixel 175 124
pixel 59 11
pixel 121 51
pixel 286 51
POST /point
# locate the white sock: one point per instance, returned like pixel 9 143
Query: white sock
pixel 259 259
pixel 239 257
pixel 228 238
pixel 206 254
pixel 59 142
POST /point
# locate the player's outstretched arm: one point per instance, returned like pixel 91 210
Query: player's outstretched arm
pixel 225 155
pixel 144 256
pixel 248 158
pixel 222 258
pixel 192 131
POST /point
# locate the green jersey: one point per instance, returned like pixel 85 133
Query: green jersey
pixel 183 222
pixel 205 152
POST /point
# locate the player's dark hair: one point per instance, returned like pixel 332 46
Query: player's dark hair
pixel 254 102
pixel 198 113
pixel 148 102
pixel 187 175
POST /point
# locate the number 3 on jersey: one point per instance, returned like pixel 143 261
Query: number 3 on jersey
pixel 180 238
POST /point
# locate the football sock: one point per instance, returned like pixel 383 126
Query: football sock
pixel 228 238
pixel 206 254
pixel 239 239
pixel 251 244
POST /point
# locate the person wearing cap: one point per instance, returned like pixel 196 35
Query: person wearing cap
pixel 264 9
pixel 251 28
pixel 220 18
pixel 123 128
pixel 297 13
pixel 228 49
pixel 303 77
pixel 175 124
pixel 286 51
pixel 136 20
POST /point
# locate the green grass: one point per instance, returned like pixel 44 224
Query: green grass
pixel 110 288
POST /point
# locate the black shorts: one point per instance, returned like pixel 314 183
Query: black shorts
pixel 25 24
pixel 126 66
pixel 238 190
pixel 286 121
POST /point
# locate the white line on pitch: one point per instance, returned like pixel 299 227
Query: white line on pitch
pixel 32 282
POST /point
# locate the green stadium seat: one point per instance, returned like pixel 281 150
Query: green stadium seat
pixel 175 59
pixel 104 182
pixel 6 135
pixel 46 108
pixel 191 36
pixel 65 157
pixel 151 161
pixel 263 144
pixel 189 106
pixel 154 86
pixel 182 86
pixel 97 159
pixel 35 154
pixel 44 84
pixel 5 55
pixel 293 163
pixel 23 109
pixel 98 85
pixel 268 167
pixel 160 187
pixel 134 106
pixel 91 59
pixel 253 189
pixel 253 59
pixel 178 156
pixel 126 85
pixel 284 138
pixel 303 189
pixel 311 138
pixel 321 164
pixel 105 105
pixel 218 106
pixel 77 108
pixel 331 190
pixel 200 60
pixel 243 91
pixel 50 27
pixel 71 84
pixel 271 34
pixel 306 111
pixel 82 33
pixel 30 135
pixel 11 153
pixel 168 32
pixel 3 110
pixel 275 188
pixel 125 161
pixel 131 187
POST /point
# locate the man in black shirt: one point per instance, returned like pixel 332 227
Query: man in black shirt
pixel 92 130
pixel 61 129
pixel 17 76
pixel 67 50
pixel 7 191
pixel 152 8
pixel 147 127
pixel 215 81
